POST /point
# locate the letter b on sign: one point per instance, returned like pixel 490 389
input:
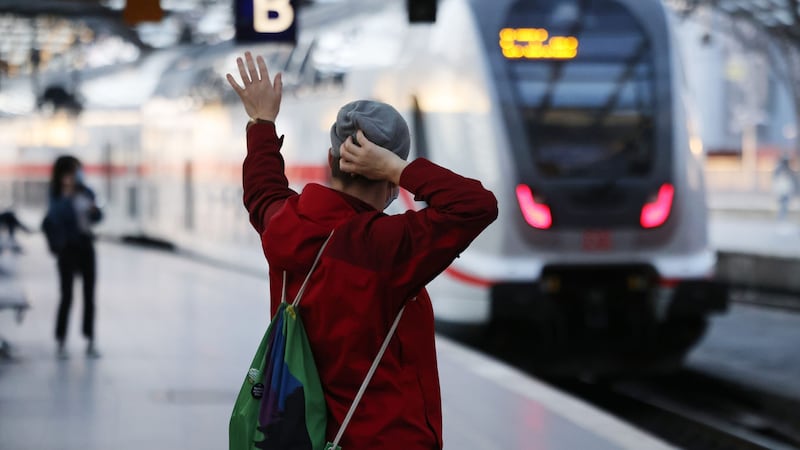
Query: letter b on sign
pixel 266 20
pixel 272 16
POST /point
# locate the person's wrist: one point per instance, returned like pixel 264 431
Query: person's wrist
pixel 260 120
pixel 265 116
pixel 397 170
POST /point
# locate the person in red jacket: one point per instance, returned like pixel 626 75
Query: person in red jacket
pixel 373 265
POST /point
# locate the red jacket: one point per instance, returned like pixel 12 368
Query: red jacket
pixel 373 264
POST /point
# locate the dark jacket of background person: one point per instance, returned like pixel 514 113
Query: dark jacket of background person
pixel 372 266
pixel 61 226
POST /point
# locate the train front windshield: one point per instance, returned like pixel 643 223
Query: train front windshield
pixel 583 79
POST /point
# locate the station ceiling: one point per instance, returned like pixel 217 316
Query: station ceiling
pixel 778 19
pixel 56 25
pixel 781 18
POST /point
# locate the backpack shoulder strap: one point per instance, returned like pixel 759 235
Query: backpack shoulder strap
pixel 308 277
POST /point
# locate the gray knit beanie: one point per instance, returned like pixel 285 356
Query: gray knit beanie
pixel 379 122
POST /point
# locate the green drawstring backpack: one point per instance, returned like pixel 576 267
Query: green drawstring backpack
pixel 281 404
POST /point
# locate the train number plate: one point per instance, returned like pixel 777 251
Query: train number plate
pixel 597 240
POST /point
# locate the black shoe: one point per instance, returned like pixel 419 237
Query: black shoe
pixel 61 351
pixel 91 351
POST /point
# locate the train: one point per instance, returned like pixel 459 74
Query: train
pixel 575 113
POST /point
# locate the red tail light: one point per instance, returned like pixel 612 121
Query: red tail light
pixel 655 213
pixel 536 214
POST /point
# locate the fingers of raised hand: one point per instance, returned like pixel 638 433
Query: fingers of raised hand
pixel 251 66
pixel 262 68
pixel 243 72
pixel 234 84
pixel 278 84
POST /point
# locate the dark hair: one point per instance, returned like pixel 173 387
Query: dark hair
pixel 64 165
pixel 347 178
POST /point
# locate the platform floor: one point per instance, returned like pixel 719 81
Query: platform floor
pixel 755 236
pixel 176 336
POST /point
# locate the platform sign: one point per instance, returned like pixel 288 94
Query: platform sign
pixel 266 20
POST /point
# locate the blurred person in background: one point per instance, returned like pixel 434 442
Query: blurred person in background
pixel 784 185
pixel 70 215
pixel 10 222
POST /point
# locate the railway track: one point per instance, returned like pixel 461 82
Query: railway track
pixel 693 410
pixel 766 298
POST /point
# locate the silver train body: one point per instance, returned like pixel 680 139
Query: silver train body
pixel 572 112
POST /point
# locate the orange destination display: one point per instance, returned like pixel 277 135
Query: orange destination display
pixel 536 43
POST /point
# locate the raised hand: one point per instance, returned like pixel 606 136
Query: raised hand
pixel 260 97
pixel 370 160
